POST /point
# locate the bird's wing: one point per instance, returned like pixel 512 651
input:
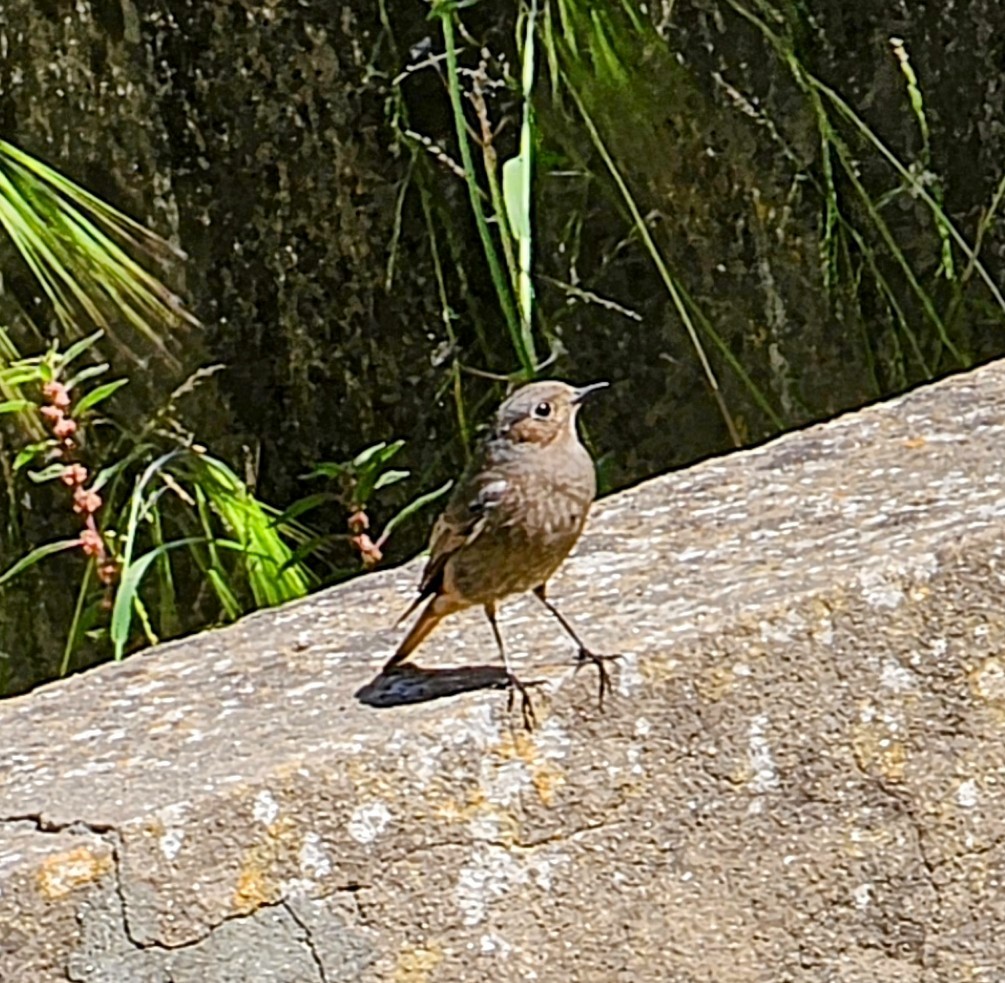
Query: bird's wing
pixel 461 522
pixel 477 495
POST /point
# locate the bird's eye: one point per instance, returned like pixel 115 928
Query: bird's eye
pixel 542 411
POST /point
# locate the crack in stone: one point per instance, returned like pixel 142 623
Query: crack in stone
pixel 923 956
pixel 111 835
pixel 307 939
pixel 43 825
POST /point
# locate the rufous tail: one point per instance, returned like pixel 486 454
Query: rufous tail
pixel 432 614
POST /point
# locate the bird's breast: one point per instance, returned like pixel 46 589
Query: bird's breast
pixel 534 520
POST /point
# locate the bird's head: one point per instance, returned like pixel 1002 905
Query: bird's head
pixel 542 412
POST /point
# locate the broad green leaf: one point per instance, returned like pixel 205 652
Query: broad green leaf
pixel 516 182
pixel 28 454
pixel 302 505
pixel 80 622
pixel 366 455
pixel 15 376
pixel 15 405
pixel 77 349
pixel 144 616
pixel 389 478
pixel 95 396
pixel 377 454
pixel 118 468
pixel 271 579
pixel 229 602
pixel 47 474
pixel 310 547
pixel 89 373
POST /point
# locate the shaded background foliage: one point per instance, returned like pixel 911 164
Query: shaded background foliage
pixel 295 153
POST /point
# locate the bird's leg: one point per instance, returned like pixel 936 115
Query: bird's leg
pixel 515 685
pixel 584 655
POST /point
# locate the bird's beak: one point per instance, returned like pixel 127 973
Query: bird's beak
pixel 583 391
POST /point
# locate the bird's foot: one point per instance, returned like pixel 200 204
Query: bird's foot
pixel 526 703
pixel 600 661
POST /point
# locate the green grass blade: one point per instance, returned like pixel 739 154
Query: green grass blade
pixel 38 553
pixel 78 610
pixel 524 351
pixel 412 507
pixel 127 594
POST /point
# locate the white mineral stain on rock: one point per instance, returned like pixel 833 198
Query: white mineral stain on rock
pixel 91 768
pixel 170 843
pixel 492 872
pixel 885 588
pixel 306 688
pixel 762 762
pixel 541 866
pixel 266 808
pixel 967 795
pixel 630 679
pixel 368 821
pixel 492 944
pixel 878 590
pixel 420 754
pixel 485 826
pixel 895 677
pixel 783 630
pixel 141 689
pixel 823 631
pixel 426 766
pixel 478 726
pixel 551 740
pixel 503 783
pixel 507 772
pixel 642 727
pixel 313 860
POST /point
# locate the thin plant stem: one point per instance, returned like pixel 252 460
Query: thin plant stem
pixel 78 610
pixel 448 326
pixel 522 345
pixel 525 286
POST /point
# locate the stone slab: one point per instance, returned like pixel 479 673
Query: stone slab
pixel 800 776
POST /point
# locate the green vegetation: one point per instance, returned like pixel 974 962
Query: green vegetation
pixel 155 525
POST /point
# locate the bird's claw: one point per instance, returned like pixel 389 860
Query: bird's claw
pixel 526 704
pixel 585 655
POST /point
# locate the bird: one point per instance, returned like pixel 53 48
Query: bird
pixel 511 521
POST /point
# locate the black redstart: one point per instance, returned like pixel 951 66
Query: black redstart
pixel 512 519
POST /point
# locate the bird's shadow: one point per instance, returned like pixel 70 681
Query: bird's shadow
pixel 411 683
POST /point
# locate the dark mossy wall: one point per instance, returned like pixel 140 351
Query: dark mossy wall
pixel 258 138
